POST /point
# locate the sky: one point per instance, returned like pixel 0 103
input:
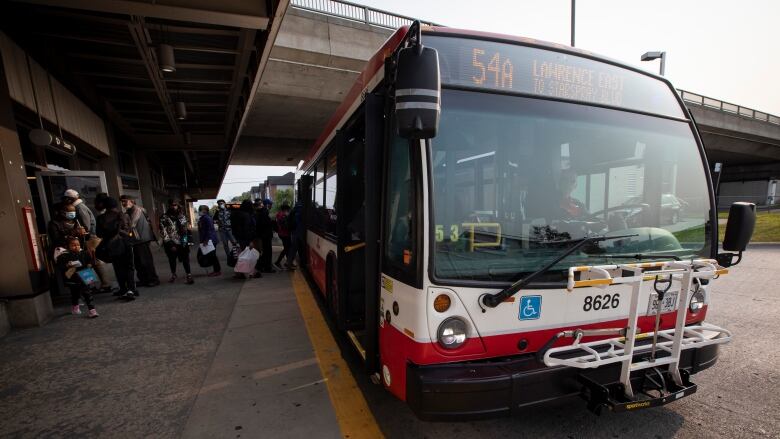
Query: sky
pixel 727 50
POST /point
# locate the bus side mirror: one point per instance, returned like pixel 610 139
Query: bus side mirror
pixel 417 92
pixel 739 230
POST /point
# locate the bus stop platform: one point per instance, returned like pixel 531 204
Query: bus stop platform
pixel 223 358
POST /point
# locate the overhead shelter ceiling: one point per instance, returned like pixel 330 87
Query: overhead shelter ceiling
pixel 107 51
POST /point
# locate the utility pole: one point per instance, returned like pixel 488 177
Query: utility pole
pixel 572 22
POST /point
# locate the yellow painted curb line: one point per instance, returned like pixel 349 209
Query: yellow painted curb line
pixel 355 418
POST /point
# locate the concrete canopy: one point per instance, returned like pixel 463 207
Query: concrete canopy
pixel 106 51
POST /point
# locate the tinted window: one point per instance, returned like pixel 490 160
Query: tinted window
pixel 399 213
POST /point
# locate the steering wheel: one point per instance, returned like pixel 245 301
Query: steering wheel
pixel 641 206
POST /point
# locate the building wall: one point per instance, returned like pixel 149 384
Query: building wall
pixel 34 88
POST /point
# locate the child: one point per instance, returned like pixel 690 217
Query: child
pixel 71 262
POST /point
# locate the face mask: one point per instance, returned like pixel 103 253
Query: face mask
pixel 221 206
pixel 201 213
pixel 70 215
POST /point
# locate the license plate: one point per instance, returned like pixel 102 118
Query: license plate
pixel 667 305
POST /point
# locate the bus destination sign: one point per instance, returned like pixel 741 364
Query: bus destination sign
pixel 529 70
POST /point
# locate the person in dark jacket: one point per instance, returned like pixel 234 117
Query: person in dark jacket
pixel 295 224
pixel 113 227
pixel 222 218
pixel 144 261
pixel 242 221
pixel 63 226
pixel 263 235
pixel 206 233
pixel 70 263
pixel 177 239
pixel 282 229
pixel 83 213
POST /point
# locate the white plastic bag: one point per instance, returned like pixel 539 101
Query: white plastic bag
pixel 207 248
pixel 246 261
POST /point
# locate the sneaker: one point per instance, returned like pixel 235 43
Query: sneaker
pixel 172 279
pixel 215 274
pixel 75 310
pixel 128 296
pixel 189 281
pixel 93 313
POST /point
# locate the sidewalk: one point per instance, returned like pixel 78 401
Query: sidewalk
pixel 220 358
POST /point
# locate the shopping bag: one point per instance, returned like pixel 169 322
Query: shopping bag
pixel 89 277
pixel 232 257
pixel 207 248
pixel 204 260
pixel 246 261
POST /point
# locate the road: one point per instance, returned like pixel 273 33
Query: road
pixel 737 398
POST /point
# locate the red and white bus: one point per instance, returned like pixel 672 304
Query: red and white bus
pixel 492 220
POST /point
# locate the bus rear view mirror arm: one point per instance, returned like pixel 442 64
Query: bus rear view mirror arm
pixel 739 230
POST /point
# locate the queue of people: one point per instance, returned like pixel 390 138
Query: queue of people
pixel 81 244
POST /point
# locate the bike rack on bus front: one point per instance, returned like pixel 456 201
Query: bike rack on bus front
pixel 623 349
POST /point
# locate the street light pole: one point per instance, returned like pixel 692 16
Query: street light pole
pixel 649 56
pixel 572 22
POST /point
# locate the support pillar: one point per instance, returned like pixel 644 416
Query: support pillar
pixel 145 183
pixel 110 165
pixel 23 293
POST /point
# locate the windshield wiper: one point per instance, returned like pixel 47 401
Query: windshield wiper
pixel 640 256
pixel 492 300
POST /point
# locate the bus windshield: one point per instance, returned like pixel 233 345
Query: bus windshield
pixel 516 179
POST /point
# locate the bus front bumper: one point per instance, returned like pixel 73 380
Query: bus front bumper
pixel 501 387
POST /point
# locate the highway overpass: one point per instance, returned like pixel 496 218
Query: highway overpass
pixel 322 46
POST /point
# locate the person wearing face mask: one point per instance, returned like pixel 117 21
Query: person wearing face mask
pixel 83 213
pixel 144 261
pixel 222 220
pixel 114 229
pixel 206 233
pixel 64 226
pixel 176 239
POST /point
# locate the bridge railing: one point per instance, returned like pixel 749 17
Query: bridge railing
pixel 355 12
pixel 727 107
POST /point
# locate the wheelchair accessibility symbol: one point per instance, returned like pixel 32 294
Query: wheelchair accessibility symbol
pixel 530 307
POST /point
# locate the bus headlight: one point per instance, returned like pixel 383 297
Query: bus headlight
pixel 697 301
pixel 452 333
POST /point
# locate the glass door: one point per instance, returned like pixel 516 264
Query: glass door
pixel 53 184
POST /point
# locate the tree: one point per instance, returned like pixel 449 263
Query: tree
pixel 244 196
pixel 283 196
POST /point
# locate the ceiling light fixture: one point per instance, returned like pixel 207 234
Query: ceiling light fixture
pixel 181 110
pixel 165 58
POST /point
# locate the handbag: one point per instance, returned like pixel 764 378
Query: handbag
pixel 246 261
pixel 205 260
pixel 232 257
pixel 89 277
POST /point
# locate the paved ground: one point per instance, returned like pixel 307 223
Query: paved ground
pixel 225 358
pixel 737 398
pixel 133 372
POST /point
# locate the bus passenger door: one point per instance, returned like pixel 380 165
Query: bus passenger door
pixel 304 196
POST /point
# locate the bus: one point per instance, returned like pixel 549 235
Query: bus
pixel 496 222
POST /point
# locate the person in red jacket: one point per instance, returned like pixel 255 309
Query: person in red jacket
pixel 283 231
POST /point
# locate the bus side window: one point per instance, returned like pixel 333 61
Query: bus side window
pixel 399 252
